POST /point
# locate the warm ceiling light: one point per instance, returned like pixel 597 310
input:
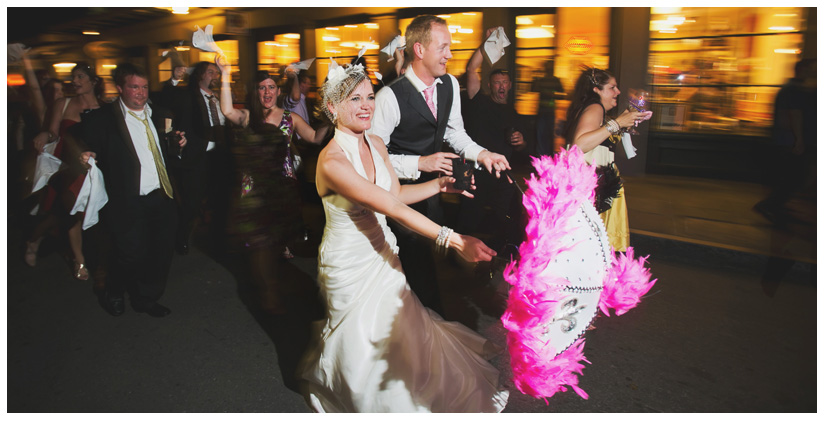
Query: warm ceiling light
pixel 333 51
pixel 677 20
pixel 331 28
pixel 180 10
pixel 786 51
pixel 785 15
pixel 469 14
pixel 109 66
pixel 63 65
pixel 330 39
pixel 465 31
pixel 782 28
pixel 292 36
pixel 350 26
pixel 523 20
pixel 371 25
pixel 181 48
pixel 348 44
pixel 444 16
pixel 91 33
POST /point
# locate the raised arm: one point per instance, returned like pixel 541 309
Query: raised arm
pixel 473 79
pixel 236 116
pixel 34 85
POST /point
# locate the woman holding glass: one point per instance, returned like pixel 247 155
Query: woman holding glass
pixel 588 127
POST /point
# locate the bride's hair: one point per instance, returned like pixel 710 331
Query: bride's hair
pixel 341 81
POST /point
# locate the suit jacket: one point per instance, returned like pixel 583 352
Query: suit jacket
pixel 104 132
pixel 192 116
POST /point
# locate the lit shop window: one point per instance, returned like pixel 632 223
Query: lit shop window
pixel 466 31
pixel 535 45
pixel 274 55
pixel 343 43
pixel 718 69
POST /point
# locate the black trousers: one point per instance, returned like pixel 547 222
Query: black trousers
pixel 416 254
pixel 143 249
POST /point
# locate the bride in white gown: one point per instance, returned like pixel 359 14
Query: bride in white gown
pixel 380 350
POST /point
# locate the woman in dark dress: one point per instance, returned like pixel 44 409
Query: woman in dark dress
pixel 266 209
pixel 61 193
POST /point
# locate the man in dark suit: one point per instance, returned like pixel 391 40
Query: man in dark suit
pixel 127 138
pixel 415 115
pixel 205 167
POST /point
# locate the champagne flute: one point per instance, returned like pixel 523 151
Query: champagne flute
pixel 637 102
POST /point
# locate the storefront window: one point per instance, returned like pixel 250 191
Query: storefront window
pixel 535 45
pixel 466 33
pixel 717 70
pixel 343 43
pixel 165 67
pixel 281 51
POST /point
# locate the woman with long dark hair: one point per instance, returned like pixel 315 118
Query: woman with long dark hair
pixel 266 212
pixel 61 193
pixel 589 127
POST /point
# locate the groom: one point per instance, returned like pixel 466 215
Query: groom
pixel 415 115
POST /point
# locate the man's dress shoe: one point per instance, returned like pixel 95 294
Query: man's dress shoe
pixel 113 305
pixel 154 310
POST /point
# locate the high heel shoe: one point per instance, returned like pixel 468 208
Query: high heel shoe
pixel 81 272
pixel 31 252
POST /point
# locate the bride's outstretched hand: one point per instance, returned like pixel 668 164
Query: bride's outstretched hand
pixel 447 184
pixel 472 249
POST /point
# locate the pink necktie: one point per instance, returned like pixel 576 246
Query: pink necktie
pixel 428 96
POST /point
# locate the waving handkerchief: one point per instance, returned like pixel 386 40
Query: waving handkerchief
pixel 494 46
pixel 92 196
pixel 396 43
pixel 46 165
pixel 301 65
pixel 203 40
pixel 16 52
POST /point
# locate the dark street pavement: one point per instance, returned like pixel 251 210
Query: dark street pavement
pixel 707 338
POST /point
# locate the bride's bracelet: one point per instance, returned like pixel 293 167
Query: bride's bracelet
pixel 442 242
pixel 613 126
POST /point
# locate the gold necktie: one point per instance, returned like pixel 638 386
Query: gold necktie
pixel 164 179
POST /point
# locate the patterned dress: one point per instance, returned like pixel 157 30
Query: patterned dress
pixel 266 202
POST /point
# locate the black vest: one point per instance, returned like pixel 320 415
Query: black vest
pixel 417 132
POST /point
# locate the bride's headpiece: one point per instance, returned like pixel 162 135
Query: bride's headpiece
pixel 341 81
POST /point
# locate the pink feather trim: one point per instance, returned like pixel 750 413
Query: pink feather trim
pixel 551 199
pixel 626 283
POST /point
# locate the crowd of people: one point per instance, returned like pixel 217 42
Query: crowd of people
pixel 188 155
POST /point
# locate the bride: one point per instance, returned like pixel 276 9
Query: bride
pixel 379 349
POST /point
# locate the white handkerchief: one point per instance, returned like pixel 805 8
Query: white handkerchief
pixel 92 196
pixel 45 166
pixel 494 46
pixel 15 52
pixel 629 150
pixel 203 40
pixel 396 43
pixel 301 65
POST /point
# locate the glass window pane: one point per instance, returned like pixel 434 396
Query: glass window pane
pixel 281 51
pixel 465 31
pixel 535 45
pixel 343 43
pixel 718 69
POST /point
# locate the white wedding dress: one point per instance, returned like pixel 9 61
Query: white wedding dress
pixel 380 350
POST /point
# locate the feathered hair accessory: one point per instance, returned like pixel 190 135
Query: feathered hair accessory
pixel 341 81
